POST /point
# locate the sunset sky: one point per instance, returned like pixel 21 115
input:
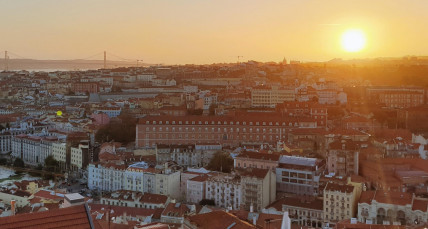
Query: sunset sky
pixel 211 31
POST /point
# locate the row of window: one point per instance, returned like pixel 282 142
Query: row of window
pixel 215 123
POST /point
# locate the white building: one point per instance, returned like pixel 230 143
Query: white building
pixel 79 156
pixel 137 177
pixel 225 190
pixel 387 207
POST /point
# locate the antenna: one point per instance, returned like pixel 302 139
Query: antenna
pixel 6 61
pixel 105 60
pixel 239 57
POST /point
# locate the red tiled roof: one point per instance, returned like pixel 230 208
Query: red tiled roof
pixel 259 156
pixel 264 221
pixel 153 198
pixel 316 204
pixel 73 217
pixel 218 219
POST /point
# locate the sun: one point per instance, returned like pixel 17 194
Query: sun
pixel 353 40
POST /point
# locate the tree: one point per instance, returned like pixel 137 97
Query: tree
pixel 39 167
pixel 51 164
pixel 18 163
pixel 221 162
pixel 36 91
pixel 122 130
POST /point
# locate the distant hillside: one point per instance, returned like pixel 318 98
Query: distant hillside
pixel 28 64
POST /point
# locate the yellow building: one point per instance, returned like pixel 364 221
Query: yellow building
pixel 340 202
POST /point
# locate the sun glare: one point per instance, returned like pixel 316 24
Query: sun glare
pixel 353 40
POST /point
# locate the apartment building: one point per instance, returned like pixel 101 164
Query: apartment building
pixel 340 202
pixel 225 190
pixel 266 96
pixel 305 109
pixel 135 199
pixel 342 157
pixel 248 159
pixel 196 188
pixel 109 176
pixel 299 175
pixel 85 87
pixel 79 157
pixel 302 210
pixel 258 188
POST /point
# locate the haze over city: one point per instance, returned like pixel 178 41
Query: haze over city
pixel 200 32
pixel 214 114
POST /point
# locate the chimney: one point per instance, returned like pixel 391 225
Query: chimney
pixel 12 206
pixel 286 222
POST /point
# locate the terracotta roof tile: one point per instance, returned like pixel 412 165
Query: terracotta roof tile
pixel 218 219
pixel 73 217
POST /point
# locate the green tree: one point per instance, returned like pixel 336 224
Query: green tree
pixel 51 164
pixel 221 162
pixel 39 167
pixel 18 163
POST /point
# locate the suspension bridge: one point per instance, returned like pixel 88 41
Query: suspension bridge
pixel 14 61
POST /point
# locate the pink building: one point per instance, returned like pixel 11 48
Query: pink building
pixel 100 119
pixel 256 160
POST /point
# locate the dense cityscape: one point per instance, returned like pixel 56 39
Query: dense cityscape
pixel 239 145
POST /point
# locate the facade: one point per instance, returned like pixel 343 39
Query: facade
pixel 387 207
pixel 225 190
pixel 250 159
pixel 106 177
pixel 302 210
pixel 299 175
pixel 224 130
pixel 258 188
pixel 111 112
pixel 340 202
pixel 85 87
pixel 342 157
pixel 135 199
pixel 397 97
pixel 137 177
pixel 79 157
pixel 59 152
pixel 264 96
pixel 305 109
pixel 196 188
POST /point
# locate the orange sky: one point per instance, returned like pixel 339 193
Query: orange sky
pixel 211 31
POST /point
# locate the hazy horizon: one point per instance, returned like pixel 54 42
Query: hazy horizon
pixel 204 32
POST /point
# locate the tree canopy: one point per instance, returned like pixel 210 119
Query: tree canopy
pixel 18 163
pixel 51 164
pixel 122 130
pixel 221 162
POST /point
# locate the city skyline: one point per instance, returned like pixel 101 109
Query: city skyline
pixel 211 31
